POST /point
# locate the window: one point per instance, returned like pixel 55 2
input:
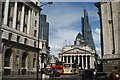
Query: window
pixel 10 36
pixel 26 15
pixel 25 42
pixel 25 19
pixel 34 55
pixel 34 43
pixel 35 13
pixel 18 26
pixel 35 23
pixel 18 38
pixel 17 60
pixel 34 62
pixel 35 33
pixel 7 59
pixel 25 29
pixel 10 14
pixel 58 68
pixel 66 65
pixel 19 10
pixel 3 7
pixel 18 17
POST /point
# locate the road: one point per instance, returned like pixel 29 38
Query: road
pixel 62 77
pixel 72 77
pixel 67 77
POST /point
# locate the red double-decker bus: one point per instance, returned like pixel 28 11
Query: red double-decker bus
pixel 59 66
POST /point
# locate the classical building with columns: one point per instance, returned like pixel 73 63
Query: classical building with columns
pixel 80 53
pixel 109 13
pixel 20 26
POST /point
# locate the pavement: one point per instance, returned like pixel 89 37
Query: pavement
pixel 21 77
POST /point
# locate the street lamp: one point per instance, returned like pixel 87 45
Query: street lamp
pixel 38 46
pixel 46 4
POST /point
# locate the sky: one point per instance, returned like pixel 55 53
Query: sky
pixel 65 23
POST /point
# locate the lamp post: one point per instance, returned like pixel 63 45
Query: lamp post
pixel 38 46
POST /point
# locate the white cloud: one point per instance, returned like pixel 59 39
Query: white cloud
pixel 97 30
pixel 98 49
pixel 57 47
pixel 62 35
pixel 96 35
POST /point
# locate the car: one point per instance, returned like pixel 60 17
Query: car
pixel 101 76
pixel 87 74
pixel 52 73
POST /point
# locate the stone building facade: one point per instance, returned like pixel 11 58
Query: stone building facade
pixel 20 26
pixel 80 53
pixel 109 13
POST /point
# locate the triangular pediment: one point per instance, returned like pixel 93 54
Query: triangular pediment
pixel 76 50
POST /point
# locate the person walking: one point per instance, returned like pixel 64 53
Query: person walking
pixel 114 76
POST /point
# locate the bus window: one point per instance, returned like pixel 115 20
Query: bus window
pixel 58 68
pixel 66 65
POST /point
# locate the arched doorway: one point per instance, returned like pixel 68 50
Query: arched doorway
pixel 25 60
pixel 7 62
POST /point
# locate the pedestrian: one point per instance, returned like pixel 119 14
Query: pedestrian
pixel 114 76
pixel 18 71
pixel 95 73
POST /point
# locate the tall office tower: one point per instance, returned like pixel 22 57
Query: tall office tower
pixel 44 28
pixel 86 31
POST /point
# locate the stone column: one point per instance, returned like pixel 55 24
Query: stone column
pixel 66 59
pixel 6 12
pixel 60 58
pixel 74 58
pixel 92 62
pixel 82 62
pixel 28 25
pixel 22 18
pixel 70 59
pixel 86 62
pixel 63 59
pixel 15 15
pixel 78 59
